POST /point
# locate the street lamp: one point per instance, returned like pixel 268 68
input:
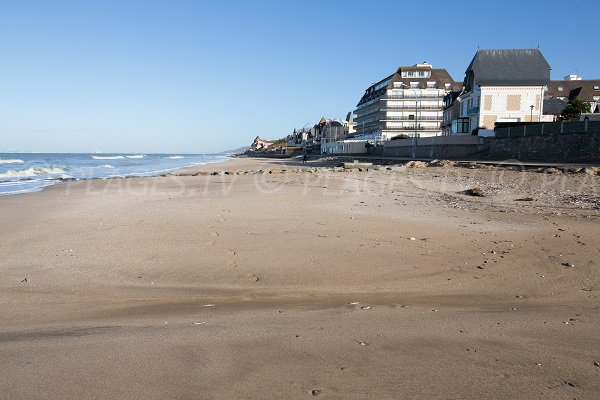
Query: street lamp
pixel 531 114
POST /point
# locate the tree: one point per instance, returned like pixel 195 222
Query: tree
pixel 573 110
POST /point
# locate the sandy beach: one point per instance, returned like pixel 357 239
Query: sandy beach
pixel 278 280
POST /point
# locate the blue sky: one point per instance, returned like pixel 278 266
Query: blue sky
pixel 194 76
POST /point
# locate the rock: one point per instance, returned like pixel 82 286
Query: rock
pixel 315 392
pixel 412 164
pixel 525 199
pixel 597 364
pixel 476 191
pixel 591 170
pixel 442 163
pixel 552 171
pixel 365 308
pixel 363 343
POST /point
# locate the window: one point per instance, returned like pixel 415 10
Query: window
pixel 414 84
pixel 596 87
pixel 560 88
pixel 460 125
pixel 431 84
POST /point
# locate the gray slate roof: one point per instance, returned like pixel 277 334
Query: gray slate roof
pixel 510 67
pixel 554 106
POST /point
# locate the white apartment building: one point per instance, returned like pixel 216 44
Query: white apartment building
pixel 408 102
pixel 502 86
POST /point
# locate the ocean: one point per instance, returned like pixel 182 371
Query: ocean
pixel 30 172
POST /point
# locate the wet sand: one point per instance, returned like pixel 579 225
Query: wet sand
pixel 384 284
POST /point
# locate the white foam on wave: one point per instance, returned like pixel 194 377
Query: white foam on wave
pixel 16 161
pixel 107 166
pixel 137 156
pixel 108 157
pixel 176 157
pixel 24 173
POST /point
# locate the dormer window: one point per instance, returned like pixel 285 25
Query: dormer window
pixel 414 84
pixel 431 85
pixel 560 88
pixel 596 87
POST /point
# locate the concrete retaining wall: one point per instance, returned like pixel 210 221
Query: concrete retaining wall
pixel 450 147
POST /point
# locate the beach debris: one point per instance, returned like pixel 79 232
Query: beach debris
pixel 354 303
pixel 208 305
pixel 567 264
pixel 525 199
pixel 363 343
pixel 24 280
pixel 198 323
pixel 365 308
pixel 476 192
pixel 596 364
pixel 571 384
pixel 412 238
pixel 315 392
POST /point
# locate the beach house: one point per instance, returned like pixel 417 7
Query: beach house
pixel 502 86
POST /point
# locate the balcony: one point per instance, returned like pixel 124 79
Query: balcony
pixel 472 110
pixel 435 127
pixel 411 118
pixel 412 96
pixel 411 107
pixel 360 117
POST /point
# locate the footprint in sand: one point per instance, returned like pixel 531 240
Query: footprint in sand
pixel 232 263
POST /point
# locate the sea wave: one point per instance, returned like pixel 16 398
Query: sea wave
pixel 23 173
pixel 108 157
pixel 107 166
pixel 176 157
pixel 137 156
pixel 16 161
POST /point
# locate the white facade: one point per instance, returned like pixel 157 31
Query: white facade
pixel 486 105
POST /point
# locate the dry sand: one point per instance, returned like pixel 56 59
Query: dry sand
pixel 387 284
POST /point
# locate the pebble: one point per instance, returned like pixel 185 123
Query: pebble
pixel 365 307
pixel 596 363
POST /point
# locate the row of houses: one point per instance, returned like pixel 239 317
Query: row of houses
pixel 508 85
pixel 499 86
pixel 327 130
